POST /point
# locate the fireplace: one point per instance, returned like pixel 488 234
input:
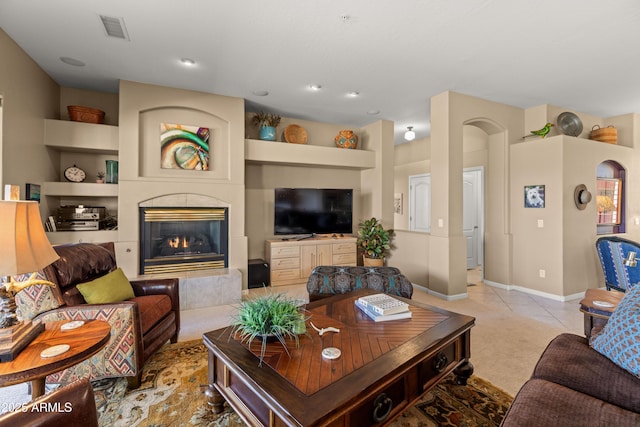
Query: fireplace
pixel 177 239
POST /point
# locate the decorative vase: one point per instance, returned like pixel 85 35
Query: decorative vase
pixel 267 133
pixel 346 139
pixel 372 262
pixel 112 171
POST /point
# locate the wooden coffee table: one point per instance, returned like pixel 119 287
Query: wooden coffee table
pixel 384 367
pixel 83 342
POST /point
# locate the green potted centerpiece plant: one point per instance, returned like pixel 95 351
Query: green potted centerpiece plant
pixel 267 123
pixel 373 241
pixel 267 318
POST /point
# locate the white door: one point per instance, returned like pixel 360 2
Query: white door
pixel 472 215
pixel 420 203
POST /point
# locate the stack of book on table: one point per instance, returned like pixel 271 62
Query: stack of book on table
pixel 383 307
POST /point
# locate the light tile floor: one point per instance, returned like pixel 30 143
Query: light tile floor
pixel 511 331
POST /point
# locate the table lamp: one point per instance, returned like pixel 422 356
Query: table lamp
pixel 24 248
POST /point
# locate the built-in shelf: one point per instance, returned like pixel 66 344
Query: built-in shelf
pixel 81 137
pixel 100 236
pixel 303 154
pixel 79 189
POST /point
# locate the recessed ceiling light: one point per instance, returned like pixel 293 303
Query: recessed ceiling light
pixel 373 112
pixel 260 92
pixel 188 62
pixel 315 87
pixel 72 61
pixel 353 94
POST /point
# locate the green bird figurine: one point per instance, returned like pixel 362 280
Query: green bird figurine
pixel 541 132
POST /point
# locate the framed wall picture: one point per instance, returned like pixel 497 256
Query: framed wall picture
pixel 534 196
pixel 33 192
pixel 184 147
pixel 397 203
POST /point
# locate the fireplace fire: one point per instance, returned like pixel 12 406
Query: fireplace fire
pixel 183 239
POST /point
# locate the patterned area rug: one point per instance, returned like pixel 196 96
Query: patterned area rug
pixel 174 380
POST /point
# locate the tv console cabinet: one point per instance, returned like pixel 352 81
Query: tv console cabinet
pixel 291 261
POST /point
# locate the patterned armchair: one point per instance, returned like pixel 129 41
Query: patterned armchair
pixel 326 281
pixel 139 325
pixel 619 274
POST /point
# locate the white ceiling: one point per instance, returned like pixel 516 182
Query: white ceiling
pixel 582 55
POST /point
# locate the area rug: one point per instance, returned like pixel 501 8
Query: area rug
pixel 175 377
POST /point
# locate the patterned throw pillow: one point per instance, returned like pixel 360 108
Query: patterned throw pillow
pixel 36 299
pixel 620 339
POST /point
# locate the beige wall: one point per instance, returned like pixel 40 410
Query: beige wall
pixel 516 249
pixel 373 188
pixel 29 95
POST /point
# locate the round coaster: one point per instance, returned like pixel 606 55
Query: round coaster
pixel 331 353
pixel 603 304
pixel 54 351
pixel 72 325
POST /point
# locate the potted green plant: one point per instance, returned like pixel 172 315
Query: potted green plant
pixel 267 123
pixel 267 318
pixel 373 241
pixel 100 177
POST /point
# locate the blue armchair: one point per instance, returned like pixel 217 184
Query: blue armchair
pixel 619 267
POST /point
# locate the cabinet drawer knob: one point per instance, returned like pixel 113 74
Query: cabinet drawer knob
pixel 440 362
pixel 382 408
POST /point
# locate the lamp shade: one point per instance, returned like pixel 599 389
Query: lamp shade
pixel 24 247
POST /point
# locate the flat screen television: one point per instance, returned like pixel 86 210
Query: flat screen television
pixel 313 211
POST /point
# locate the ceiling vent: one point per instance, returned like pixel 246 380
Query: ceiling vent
pixel 114 27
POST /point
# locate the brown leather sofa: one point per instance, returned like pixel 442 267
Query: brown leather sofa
pixel 72 405
pixel 140 325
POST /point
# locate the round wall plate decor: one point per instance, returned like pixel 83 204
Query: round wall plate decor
pixel 569 124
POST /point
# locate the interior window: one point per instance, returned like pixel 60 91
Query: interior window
pixel 610 201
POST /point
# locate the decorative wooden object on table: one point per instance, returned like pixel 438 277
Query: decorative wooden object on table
pixel 83 341
pixel 380 371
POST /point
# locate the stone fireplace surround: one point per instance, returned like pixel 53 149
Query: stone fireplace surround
pixel 204 288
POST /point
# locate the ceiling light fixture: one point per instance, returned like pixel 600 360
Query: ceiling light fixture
pixel 315 87
pixel 188 62
pixel 353 94
pixel 410 135
pixel 260 92
pixel 373 112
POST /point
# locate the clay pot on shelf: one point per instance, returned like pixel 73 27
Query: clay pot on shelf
pixel 346 139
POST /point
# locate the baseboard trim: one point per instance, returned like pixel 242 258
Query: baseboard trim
pixel 534 292
pixel 439 295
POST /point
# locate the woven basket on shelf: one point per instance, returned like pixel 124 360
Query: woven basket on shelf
pixel 295 134
pixel 79 113
pixel 608 134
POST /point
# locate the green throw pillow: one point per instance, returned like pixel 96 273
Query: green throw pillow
pixel 112 287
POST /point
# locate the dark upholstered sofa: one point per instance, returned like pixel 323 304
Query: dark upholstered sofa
pixel 325 281
pixel 574 385
pixel 139 325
